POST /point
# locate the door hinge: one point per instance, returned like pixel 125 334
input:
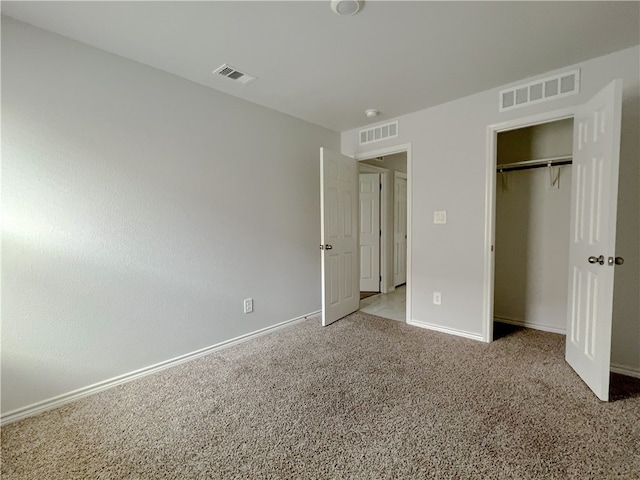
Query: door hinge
pixel 380 278
pixel 380 232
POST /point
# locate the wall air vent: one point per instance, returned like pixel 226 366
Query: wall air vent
pixel 542 90
pixel 234 74
pixel 379 132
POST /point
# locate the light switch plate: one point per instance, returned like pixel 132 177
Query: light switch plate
pixel 440 216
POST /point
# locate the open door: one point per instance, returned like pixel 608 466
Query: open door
pixel 339 230
pixel 370 232
pixel 596 157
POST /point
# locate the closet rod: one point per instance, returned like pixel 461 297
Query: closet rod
pixel 539 163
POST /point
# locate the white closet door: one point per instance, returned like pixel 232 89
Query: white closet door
pixel 596 156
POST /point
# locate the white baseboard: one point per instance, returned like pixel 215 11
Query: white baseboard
pixel 624 370
pixel 65 398
pixel 534 326
pixel 450 331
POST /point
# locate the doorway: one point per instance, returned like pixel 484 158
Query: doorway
pixel 339 229
pixel 533 199
pixel 389 297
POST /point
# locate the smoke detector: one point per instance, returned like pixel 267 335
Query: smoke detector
pixel 372 113
pixel 346 7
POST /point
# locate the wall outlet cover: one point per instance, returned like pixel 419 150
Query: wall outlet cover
pixel 248 305
pixel 437 298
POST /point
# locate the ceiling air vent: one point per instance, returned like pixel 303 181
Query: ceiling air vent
pixel 229 72
pixel 542 90
pixel 379 132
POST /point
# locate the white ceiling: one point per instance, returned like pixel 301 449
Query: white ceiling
pixel 395 56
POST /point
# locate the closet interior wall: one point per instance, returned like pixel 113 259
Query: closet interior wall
pixel 532 228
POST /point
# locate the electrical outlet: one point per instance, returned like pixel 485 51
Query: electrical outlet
pixel 248 305
pixel 437 298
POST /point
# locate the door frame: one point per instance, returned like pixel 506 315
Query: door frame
pixel 385 177
pixel 490 201
pixel 395 176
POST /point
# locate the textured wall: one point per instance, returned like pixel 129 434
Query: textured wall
pixel 139 211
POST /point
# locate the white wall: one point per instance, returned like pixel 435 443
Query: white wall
pixel 449 149
pixel 140 209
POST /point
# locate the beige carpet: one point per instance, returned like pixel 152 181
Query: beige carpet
pixel 366 398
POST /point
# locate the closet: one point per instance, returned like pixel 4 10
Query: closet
pixel 533 199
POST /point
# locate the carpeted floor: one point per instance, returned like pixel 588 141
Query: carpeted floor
pixel 366 398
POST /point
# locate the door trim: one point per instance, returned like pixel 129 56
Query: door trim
pixel 490 201
pixel 405 147
pixel 395 176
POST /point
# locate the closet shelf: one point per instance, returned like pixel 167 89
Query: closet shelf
pixel 538 163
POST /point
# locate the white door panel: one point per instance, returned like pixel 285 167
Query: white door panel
pixel 339 230
pixel 369 232
pixel 596 156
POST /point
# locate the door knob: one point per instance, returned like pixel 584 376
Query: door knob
pixel 328 247
pixel 599 259
pixel 617 261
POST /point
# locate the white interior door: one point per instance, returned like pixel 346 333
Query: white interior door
pixel 370 232
pixel 596 156
pixel 399 230
pixel 339 230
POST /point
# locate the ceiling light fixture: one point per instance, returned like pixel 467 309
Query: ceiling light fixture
pixel 346 7
pixel 372 113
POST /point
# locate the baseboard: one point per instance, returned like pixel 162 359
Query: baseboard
pixel 65 398
pixel 624 370
pixel 450 331
pixel 534 326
